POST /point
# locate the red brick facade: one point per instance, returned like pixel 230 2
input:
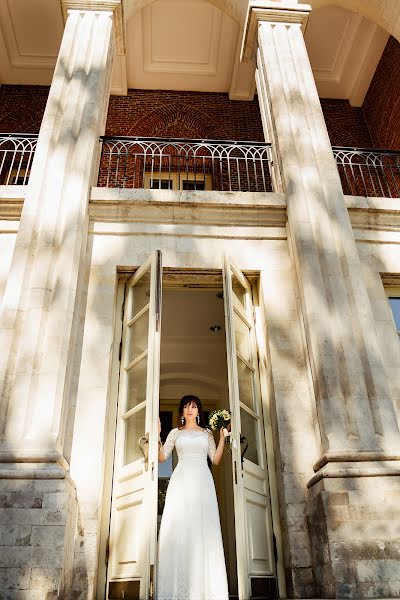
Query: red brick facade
pixel 346 124
pixel 201 115
pixel 22 108
pixel 377 123
pixel 381 107
pixel 157 113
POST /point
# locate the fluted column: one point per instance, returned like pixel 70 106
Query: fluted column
pixel 39 319
pixel 360 445
pixel 355 409
pixel 39 313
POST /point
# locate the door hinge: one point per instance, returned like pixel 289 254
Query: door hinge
pixel 151 590
pixel 107 549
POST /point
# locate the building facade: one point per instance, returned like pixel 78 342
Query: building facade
pixel 226 225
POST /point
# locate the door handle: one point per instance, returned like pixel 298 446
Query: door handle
pixel 243 440
pixel 144 447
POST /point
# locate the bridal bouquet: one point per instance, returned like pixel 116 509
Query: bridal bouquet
pixel 218 419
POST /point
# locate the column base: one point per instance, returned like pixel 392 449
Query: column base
pixel 354 526
pixel 37 532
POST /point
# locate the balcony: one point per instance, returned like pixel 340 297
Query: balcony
pixel 16 156
pixel 204 165
pixel 368 172
pixel 181 164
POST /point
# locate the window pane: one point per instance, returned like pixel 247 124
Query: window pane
pixel 249 429
pixel 134 429
pixel 191 184
pixel 160 184
pixel 239 292
pixel 138 332
pixel 137 379
pixel 245 377
pixel 242 337
pixel 141 294
pixel 395 306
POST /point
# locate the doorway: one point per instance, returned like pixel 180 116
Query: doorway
pixel 193 361
pixel 208 348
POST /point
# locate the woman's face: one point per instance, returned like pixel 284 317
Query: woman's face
pixel 190 411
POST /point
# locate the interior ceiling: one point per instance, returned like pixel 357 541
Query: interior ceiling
pixel 193 358
pixel 191 45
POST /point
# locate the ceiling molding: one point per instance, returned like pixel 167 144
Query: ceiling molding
pixel 243 81
pixel 334 71
pixel 119 85
pixel 182 63
pixel 17 58
pixel 343 66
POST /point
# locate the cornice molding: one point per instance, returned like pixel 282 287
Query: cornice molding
pixel 113 6
pixel 270 11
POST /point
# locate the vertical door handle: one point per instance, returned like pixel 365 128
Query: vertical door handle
pixel 244 441
pixel 144 447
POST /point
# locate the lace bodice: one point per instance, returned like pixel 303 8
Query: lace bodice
pixel 190 443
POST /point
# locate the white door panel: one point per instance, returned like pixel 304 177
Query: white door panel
pixel 253 525
pixel 260 555
pixel 132 544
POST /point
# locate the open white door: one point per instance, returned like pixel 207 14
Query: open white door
pixel 253 524
pixel 133 529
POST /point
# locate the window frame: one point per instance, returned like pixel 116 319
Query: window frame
pixel 177 180
pixel 393 291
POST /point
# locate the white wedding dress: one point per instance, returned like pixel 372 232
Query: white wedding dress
pixel 191 563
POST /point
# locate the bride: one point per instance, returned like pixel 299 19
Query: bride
pixel 191 563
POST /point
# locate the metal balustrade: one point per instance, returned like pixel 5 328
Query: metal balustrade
pixel 181 164
pixel 368 172
pixel 16 155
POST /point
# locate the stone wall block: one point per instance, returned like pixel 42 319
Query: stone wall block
pixel 56 500
pixel 360 538
pixel 16 535
pixel 14 578
pixel 26 595
pixel 44 578
pixel 20 516
pixel 15 556
pixel 48 536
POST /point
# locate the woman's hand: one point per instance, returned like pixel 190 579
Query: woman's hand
pixel 159 427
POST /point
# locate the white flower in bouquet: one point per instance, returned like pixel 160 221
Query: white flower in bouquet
pixel 218 419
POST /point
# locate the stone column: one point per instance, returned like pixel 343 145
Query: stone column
pixel 39 318
pixel 357 421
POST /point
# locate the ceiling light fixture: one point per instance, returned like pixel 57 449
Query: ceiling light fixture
pixel 215 328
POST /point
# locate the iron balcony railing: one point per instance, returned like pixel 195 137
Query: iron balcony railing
pixel 368 172
pixel 135 162
pixel 181 164
pixel 16 155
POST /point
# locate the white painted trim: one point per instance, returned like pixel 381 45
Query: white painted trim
pixel 109 441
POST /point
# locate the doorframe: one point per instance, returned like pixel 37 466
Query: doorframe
pixel 110 429
pixel 266 392
pixel 256 281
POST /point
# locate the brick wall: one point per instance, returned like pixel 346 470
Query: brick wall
pixel 377 123
pixel 346 124
pixel 22 108
pixel 156 113
pixel 213 116
pixel 150 113
pixel 381 106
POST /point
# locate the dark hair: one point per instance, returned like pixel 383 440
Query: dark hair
pixel 186 400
